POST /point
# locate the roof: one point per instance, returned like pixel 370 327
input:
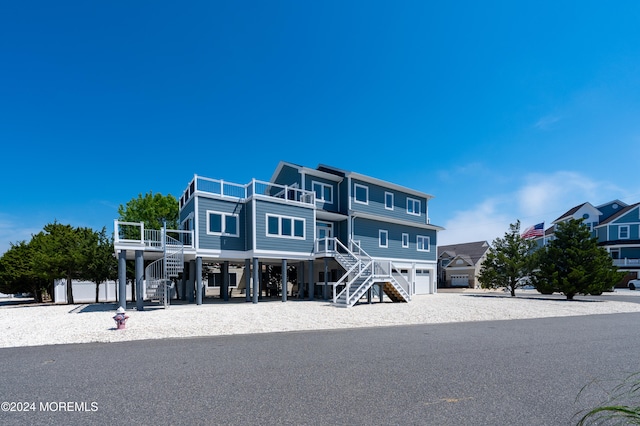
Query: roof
pixel 473 251
pixel 622 212
pixel 569 212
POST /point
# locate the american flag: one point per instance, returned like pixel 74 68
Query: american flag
pixel 534 231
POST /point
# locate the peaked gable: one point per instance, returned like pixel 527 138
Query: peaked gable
pixel 584 211
pixel 628 214
pixel 473 252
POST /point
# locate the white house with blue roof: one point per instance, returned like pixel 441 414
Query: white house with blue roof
pixel 344 235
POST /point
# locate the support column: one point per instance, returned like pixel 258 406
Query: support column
pixel 198 278
pixel 301 281
pixel 284 280
pixel 192 279
pixel 369 295
pixel 326 279
pixel 183 293
pixel 311 283
pixel 225 281
pixel 381 293
pixel 122 279
pixel 139 280
pixel 247 280
pixel 256 280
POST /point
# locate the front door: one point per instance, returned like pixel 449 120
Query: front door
pixel 324 235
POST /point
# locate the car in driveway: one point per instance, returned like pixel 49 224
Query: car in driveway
pixel 633 284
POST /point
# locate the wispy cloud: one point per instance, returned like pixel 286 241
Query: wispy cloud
pixel 12 232
pixel 540 198
pixel 546 122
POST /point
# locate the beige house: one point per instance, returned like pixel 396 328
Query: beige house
pixel 459 264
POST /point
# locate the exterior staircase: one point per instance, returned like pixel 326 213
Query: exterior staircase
pixel 159 273
pixel 362 273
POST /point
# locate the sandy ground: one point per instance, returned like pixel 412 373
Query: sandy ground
pixel 30 325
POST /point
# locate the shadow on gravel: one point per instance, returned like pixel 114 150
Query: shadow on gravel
pixel 558 298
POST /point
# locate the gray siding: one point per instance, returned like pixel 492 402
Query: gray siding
pixel 376 203
pixel 221 242
pixel 264 242
pixel 331 207
pixel 367 232
pixel 187 209
pixel 288 176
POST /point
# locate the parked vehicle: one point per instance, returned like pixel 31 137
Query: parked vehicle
pixel 633 284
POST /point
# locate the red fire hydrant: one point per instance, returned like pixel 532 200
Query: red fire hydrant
pixel 120 318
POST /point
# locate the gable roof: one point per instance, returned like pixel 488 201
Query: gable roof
pixel 622 212
pixel 473 251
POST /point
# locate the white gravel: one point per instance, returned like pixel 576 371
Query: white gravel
pixel 24 325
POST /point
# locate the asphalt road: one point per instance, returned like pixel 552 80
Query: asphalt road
pixel 518 372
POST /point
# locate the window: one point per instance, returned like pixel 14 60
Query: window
pixel 405 240
pixel 422 243
pixel 388 200
pixel 361 194
pixel 285 227
pixel 219 223
pixel 623 232
pixel 323 192
pixel 413 206
pixel 383 238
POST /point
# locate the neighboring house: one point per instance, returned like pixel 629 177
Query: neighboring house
pixel 459 264
pixel 339 232
pixel 616 225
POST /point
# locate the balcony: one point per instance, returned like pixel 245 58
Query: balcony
pixel 632 263
pixel 242 192
pixel 134 234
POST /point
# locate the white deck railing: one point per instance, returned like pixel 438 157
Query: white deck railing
pixel 255 187
pixel 134 233
pixel 626 262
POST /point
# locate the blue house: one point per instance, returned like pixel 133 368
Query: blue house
pixel 616 225
pixel 334 234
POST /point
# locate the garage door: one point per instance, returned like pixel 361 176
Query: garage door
pixel 423 281
pixel 459 280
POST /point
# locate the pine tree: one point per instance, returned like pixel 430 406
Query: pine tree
pixel 508 261
pixel 573 263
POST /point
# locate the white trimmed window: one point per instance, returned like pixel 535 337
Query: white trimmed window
pixel 413 206
pixel 383 238
pixel 361 193
pixel 405 240
pixel 219 223
pixel 388 200
pixel 623 232
pixel 285 227
pixel 323 191
pixel 423 243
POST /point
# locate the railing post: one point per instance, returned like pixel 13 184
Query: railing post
pixel 221 187
pixel 142 232
pixel 286 192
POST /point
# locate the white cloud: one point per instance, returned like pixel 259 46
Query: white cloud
pixel 485 221
pixel 12 232
pixel 541 198
pixel 546 122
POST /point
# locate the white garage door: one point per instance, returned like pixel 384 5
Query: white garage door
pixel 459 280
pixel 423 281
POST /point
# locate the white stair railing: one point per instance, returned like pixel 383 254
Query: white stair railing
pixel 158 274
pixel 362 271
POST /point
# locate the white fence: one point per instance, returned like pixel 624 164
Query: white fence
pixel 85 291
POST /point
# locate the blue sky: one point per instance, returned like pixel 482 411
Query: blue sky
pixel 501 110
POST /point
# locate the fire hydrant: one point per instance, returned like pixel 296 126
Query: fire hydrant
pixel 120 318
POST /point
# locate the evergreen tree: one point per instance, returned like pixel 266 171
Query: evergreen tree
pixel 573 263
pixel 17 274
pixel 508 261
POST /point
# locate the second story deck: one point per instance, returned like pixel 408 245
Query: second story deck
pixel 268 190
